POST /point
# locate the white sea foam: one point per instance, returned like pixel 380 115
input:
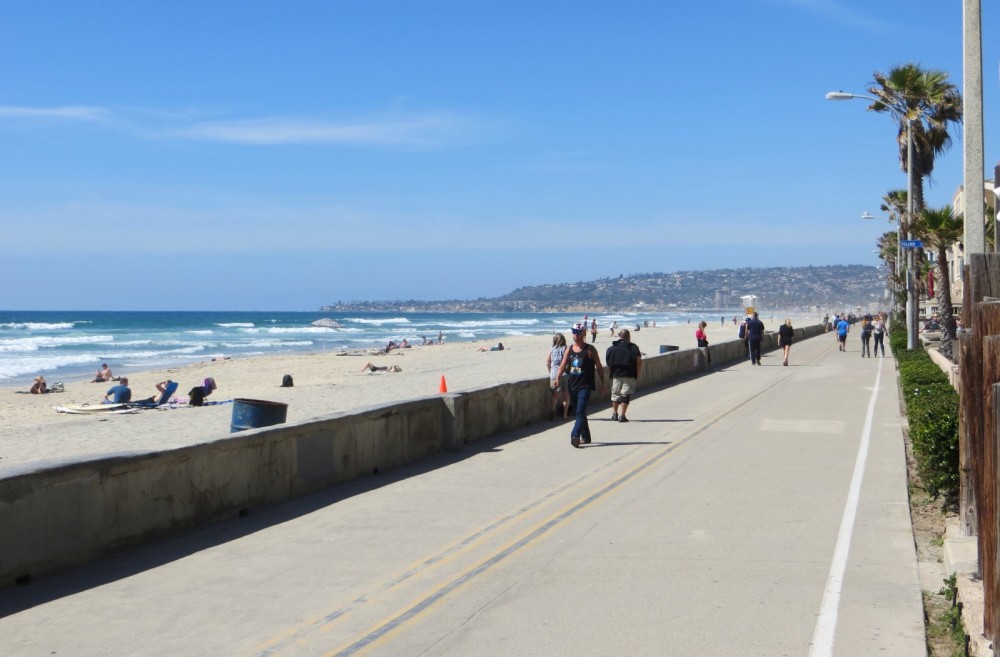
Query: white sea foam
pixel 495 323
pixel 266 344
pixel 38 326
pixel 377 322
pixel 19 366
pixel 43 341
pixel 205 332
pixel 236 325
pixel 299 329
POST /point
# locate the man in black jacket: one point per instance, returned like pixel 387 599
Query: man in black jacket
pixel 755 333
pixel 624 360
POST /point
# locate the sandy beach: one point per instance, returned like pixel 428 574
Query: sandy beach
pixel 325 383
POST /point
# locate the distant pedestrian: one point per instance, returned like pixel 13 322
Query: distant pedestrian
pixel 755 333
pixel 785 334
pixel 560 392
pixel 867 328
pixel 583 365
pixel 624 362
pixel 723 321
pixel 593 330
pixel 843 326
pixel 614 327
pixel 702 339
pixel 878 331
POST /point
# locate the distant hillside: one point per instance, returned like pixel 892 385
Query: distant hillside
pixel 833 287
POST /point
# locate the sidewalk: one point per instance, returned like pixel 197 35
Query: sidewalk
pixel 750 511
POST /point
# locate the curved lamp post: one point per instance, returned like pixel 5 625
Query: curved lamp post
pixel 911 289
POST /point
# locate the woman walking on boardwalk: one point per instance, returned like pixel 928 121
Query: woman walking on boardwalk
pixel 785 333
pixel 560 393
pixel 581 362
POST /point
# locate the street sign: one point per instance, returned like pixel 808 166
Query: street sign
pixel 911 244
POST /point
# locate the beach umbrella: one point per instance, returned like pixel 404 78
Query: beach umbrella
pixel 326 322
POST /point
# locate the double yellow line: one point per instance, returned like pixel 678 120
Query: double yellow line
pixel 382 629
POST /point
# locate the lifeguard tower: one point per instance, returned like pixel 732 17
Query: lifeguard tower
pixel 749 302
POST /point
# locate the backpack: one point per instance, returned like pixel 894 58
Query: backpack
pixel 743 331
pixel 286 381
pixel 197 396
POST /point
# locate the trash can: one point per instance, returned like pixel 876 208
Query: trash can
pixel 256 413
pixel 664 348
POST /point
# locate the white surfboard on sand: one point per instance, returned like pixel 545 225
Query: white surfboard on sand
pixel 87 409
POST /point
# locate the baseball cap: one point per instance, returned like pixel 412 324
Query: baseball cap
pixel 578 328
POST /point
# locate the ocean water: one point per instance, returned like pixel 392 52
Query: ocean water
pixel 71 345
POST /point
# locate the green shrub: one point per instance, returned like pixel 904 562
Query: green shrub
pixel 932 410
pixel 933 417
pixel 921 372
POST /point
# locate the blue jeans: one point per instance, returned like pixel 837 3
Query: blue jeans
pixel 581 428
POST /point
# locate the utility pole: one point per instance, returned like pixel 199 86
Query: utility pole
pixel 972 118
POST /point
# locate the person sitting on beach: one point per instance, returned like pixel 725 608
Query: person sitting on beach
pixel 392 345
pixel 499 347
pixel 103 374
pixel 404 344
pixel 38 387
pixel 119 394
pixel 371 367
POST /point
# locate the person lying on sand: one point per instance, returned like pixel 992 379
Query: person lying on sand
pixel 498 347
pixel 371 367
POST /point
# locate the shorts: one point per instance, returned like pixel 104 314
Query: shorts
pixel 563 380
pixel 622 387
pixel 842 338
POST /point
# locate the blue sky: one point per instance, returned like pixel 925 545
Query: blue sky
pixel 284 155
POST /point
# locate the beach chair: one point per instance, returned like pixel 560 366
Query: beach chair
pixel 168 390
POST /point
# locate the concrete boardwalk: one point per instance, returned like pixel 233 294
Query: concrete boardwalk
pixel 750 511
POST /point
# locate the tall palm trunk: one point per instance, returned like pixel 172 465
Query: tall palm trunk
pixel 944 305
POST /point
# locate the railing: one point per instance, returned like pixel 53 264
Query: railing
pixel 979 392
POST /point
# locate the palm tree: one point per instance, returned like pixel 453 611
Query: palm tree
pixel 926 100
pixel 939 230
pixel 894 202
pixel 888 249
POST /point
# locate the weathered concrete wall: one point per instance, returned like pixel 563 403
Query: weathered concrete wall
pixel 58 515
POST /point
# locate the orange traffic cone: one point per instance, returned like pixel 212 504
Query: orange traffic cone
pixel 444 386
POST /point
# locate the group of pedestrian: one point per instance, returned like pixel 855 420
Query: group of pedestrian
pixel 751 332
pixel 575 372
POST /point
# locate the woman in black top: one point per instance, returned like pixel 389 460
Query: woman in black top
pixel 581 361
pixel 785 334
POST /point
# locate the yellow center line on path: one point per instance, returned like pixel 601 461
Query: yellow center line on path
pixel 426 565
pixel 384 627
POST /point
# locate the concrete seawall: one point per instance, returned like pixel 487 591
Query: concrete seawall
pixel 58 515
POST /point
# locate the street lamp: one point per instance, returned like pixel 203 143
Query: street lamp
pixel 911 289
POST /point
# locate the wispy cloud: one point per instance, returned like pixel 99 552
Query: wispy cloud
pixel 67 113
pixel 392 129
pixel 837 11
pixel 416 131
